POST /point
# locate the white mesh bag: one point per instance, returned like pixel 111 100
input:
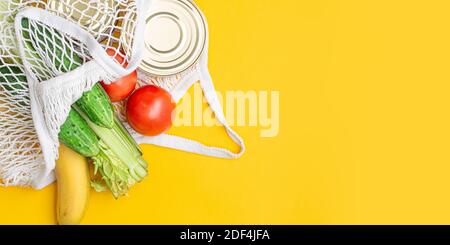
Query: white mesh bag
pixel 51 52
pixel 38 85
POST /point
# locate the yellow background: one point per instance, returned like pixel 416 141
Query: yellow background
pixel 365 123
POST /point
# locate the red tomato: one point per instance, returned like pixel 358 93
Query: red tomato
pixel 150 110
pixel 123 87
pixel 118 56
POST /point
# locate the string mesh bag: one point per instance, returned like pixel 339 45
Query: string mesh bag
pixel 52 51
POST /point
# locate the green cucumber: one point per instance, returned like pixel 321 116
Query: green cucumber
pixel 97 106
pixel 76 134
pixel 13 80
pixel 52 44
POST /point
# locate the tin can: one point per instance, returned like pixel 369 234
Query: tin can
pixel 97 17
pixel 175 37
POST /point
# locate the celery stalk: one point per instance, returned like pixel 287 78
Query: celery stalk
pixel 120 145
pixel 114 173
pixel 119 162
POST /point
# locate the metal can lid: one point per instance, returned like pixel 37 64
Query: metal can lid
pixel 175 37
pixel 97 17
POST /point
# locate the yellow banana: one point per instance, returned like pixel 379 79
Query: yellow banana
pixel 73 183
